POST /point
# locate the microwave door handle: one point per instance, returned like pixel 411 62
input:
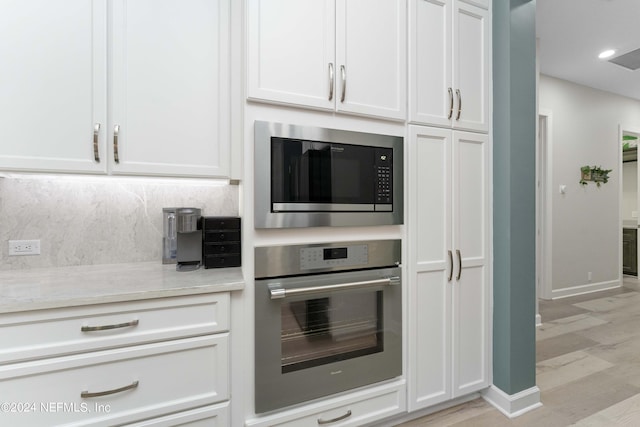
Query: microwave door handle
pixel 280 293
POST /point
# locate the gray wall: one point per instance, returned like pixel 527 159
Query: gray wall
pixel 585 131
pixel 514 130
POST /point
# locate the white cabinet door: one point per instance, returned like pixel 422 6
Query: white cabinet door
pixel 431 94
pixel 347 56
pixel 471 67
pixel 371 57
pixel 53 85
pixel 480 3
pixel 449 71
pixel 471 283
pixel 170 87
pixel 449 265
pixel 291 52
pixel 429 151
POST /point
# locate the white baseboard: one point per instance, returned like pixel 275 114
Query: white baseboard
pixel 584 289
pixel 513 405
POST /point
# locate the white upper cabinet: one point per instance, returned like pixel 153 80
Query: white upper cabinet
pixel 53 85
pixel 347 56
pixel 170 87
pixel 371 58
pixel 160 107
pixel 449 64
pixel 291 51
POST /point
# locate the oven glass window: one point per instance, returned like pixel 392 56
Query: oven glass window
pixel 327 329
pixel 317 172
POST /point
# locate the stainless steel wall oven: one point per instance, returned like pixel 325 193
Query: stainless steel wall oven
pixel 307 176
pixel 327 319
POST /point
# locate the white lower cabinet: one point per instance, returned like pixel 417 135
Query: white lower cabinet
pixel 449 253
pixel 209 416
pixel 164 368
pixel 48 333
pixel 355 409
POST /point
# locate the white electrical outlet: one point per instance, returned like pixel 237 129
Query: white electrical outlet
pixel 24 247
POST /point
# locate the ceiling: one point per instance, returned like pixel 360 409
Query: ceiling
pixel 572 33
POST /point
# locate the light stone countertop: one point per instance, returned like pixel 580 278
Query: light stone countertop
pixel 44 288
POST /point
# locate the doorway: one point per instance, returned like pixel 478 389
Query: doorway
pixel 543 209
pixel 629 205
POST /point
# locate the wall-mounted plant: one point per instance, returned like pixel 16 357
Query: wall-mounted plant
pixel 595 174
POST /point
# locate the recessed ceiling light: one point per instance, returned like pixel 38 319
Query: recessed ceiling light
pixel 606 54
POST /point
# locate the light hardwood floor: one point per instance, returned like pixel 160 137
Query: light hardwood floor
pixel 588 367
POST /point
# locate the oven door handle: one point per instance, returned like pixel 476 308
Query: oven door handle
pixel 280 293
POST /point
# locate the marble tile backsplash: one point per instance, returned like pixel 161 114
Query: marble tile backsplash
pixel 102 220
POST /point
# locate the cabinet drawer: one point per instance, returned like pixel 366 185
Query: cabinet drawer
pixel 48 333
pixel 219 261
pixel 222 236
pixel 209 416
pixel 352 411
pixel 354 414
pixel 221 248
pixel 221 223
pixel 139 382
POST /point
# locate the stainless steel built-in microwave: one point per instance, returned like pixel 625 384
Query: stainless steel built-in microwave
pixel 308 177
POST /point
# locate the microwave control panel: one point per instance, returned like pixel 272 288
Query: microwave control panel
pixel 332 256
pixel 384 176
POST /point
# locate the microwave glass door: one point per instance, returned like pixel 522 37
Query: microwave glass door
pixel 328 176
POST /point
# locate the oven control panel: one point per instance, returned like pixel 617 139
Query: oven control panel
pixel 333 256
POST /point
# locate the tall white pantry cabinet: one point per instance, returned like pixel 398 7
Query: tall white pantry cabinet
pixel 449 184
pixel 115 86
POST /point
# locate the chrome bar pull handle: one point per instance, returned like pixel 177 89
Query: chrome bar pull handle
pixel 88 394
pixel 450 103
pixel 343 73
pixel 277 292
pixel 450 266
pixel 395 281
pixel 459 103
pixel 116 131
pixel 334 420
pixel 331 81
pixel 96 135
pixel 108 327
pixel 459 264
